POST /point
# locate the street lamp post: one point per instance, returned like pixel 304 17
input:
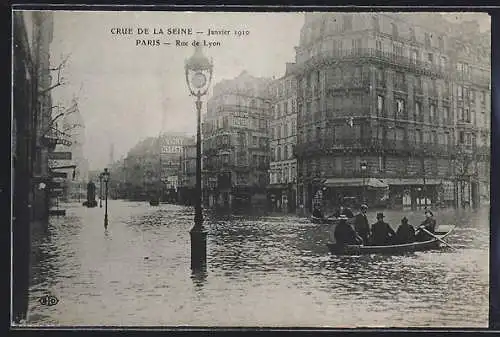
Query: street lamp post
pixel 105 175
pixel 363 167
pixel 198 71
pixel 100 189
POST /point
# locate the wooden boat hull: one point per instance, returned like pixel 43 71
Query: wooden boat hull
pixel 329 221
pixel 433 244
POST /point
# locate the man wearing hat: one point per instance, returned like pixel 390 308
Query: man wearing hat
pixel 382 233
pixel 361 224
pixel 429 224
pixel 344 234
pixel 405 232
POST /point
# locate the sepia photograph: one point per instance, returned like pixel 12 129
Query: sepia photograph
pixel 250 169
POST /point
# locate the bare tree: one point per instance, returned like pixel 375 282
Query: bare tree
pixel 60 75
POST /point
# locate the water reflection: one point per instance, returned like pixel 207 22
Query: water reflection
pixel 199 277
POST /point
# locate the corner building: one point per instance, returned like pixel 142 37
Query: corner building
pixel 236 143
pixel 380 114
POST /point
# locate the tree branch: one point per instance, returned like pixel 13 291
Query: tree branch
pixel 60 78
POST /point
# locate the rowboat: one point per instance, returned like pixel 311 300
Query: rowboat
pixel 154 202
pixel 328 221
pixel 441 232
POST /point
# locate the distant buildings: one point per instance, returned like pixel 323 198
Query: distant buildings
pixel 151 168
pixel 170 157
pixel 236 142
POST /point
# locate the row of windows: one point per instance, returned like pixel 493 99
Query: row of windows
pixel 464 114
pixel 413 136
pixel 416 55
pixel 282 88
pixel 341 164
pixel 239 159
pixel 278 155
pixel 339 134
pixel 286 107
pixel 358 104
pixel 239 140
pixel 284 175
pixel 284 131
pixel 320 79
pixel 228 122
pixel 346 24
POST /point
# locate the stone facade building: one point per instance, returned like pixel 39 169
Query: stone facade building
pixel 381 108
pixel 32 35
pixel 283 131
pixel 236 142
pixel 23 131
pixel 40 31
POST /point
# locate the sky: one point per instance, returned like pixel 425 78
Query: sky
pixel 124 89
pixel 127 93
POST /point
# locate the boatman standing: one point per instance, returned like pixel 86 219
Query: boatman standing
pixel 361 224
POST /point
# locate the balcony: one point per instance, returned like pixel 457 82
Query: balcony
pixel 467 124
pixel 410 148
pixel 334 56
pixel 350 83
pixel 401 87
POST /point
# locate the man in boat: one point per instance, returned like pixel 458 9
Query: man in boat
pixel 344 234
pixel 317 212
pixel 382 233
pixel 405 232
pixel 361 224
pixel 429 224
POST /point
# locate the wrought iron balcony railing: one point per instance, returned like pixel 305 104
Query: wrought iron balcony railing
pixel 334 56
pixel 312 148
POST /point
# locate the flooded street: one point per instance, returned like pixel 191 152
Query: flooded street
pixel 266 271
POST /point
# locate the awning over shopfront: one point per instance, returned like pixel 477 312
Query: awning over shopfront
pixel 411 181
pixel 355 182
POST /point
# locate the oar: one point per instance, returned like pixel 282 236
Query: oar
pixel 436 237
